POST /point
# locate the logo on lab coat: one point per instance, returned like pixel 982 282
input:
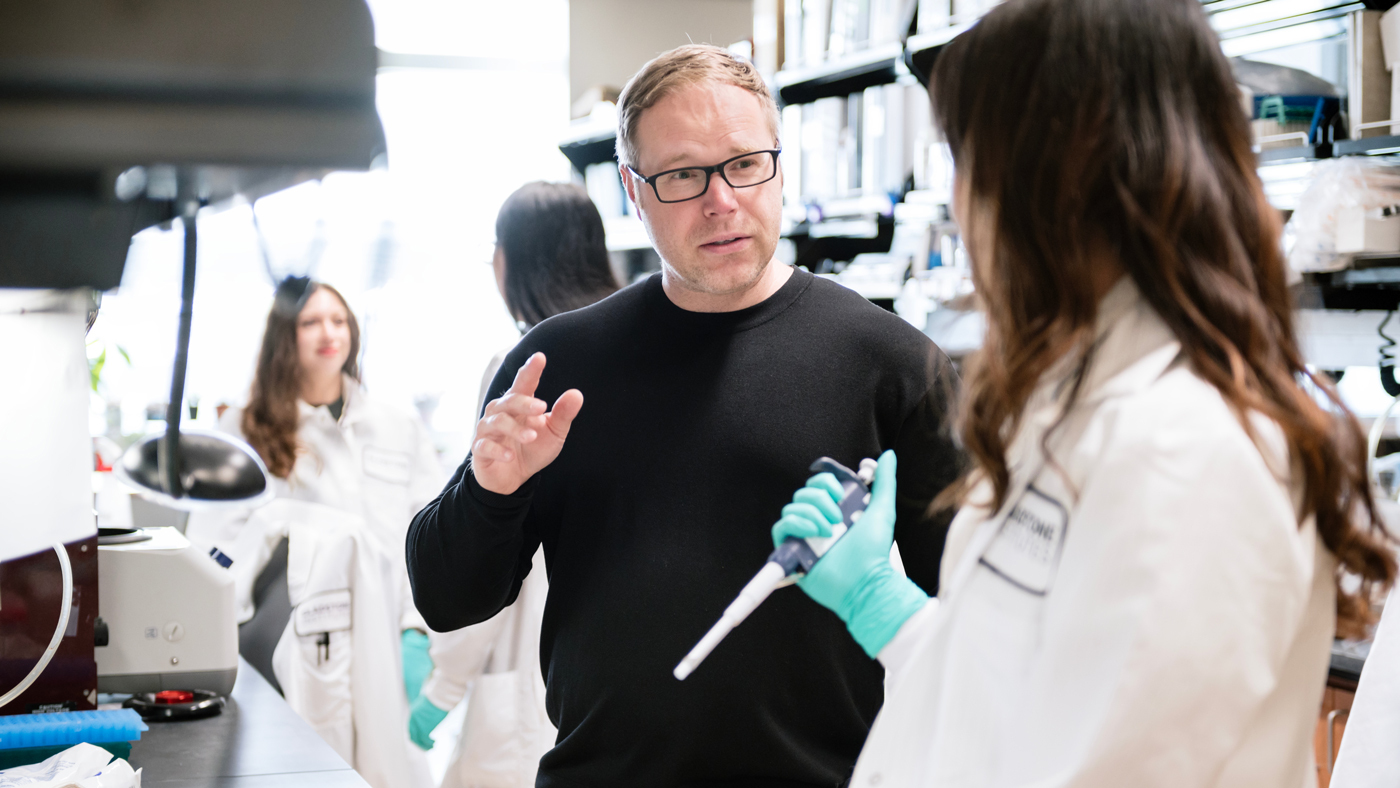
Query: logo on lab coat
pixel 1026 551
pixel 328 611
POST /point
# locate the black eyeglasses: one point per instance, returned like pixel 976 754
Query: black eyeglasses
pixel 688 183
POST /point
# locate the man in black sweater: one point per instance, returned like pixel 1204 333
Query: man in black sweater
pixel 711 388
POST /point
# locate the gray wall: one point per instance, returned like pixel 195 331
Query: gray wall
pixel 610 39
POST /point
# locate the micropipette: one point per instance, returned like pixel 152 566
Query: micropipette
pixel 793 557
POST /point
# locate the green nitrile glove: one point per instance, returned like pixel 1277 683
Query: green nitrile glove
pixel 423 717
pixel 854 578
pixel 417 665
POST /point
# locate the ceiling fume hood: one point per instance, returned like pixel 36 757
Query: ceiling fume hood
pixel 112 111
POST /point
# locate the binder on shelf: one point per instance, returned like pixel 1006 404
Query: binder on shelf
pixel 604 185
pixel 872 146
pixel 791 158
pixel 934 15
pixel 816 30
pixel 792 34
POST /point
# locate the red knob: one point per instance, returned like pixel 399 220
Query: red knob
pixel 174 696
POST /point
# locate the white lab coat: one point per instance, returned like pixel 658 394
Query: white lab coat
pixel 351 495
pixel 1146 611
pixel 507 729
pixel 374 462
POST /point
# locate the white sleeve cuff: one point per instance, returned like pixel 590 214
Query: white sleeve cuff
pixel 901 647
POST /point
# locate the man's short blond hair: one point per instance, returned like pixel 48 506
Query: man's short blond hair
pixel 684 66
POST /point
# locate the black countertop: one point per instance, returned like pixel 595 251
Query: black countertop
pixel 257 742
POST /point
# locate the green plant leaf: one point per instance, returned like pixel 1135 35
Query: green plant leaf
pixel 95 369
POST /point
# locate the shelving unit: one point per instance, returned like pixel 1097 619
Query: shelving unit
pixel 824 228
pixel 920 51
pixel 1369 146
pixel 590 143
pixel 1299 153
pixel 841 77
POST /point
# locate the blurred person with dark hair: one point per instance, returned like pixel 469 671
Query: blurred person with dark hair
pixel 326 443
pixel 1143 584
pixel 550 258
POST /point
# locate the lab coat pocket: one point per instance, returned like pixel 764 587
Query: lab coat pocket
pixel 388 465
pixel 314 671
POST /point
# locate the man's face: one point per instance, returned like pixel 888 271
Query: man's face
pixel 719 243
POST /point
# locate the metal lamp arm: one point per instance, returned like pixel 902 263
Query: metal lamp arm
pixel 170 454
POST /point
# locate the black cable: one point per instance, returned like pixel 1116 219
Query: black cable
pixel 1387 362
pixel 174 487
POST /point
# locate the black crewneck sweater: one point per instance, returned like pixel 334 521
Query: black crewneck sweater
pixel 696 429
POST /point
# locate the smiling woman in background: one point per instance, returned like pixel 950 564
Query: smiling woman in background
pixel 326 442
pixel 1142 586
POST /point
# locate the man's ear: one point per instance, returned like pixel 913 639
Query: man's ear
pixel 628 184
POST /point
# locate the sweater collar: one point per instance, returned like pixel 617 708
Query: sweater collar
pixel 727 322
pixel 351 411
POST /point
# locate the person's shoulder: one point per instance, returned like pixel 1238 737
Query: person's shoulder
pixel 1182 423
pixel 868 328
pixel 585 324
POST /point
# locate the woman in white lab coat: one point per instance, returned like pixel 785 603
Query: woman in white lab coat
pixel 1142 585
pixel 335 455
pixel 551 257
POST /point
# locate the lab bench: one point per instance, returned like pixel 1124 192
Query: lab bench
pixel 256 742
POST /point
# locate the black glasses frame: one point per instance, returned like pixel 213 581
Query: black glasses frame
pixel 714 169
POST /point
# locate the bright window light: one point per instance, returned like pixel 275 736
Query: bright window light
pixel 409 245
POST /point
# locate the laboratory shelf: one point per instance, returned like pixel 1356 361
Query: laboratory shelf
pixel 1375 287
pixel 590 143
pixel 920 51
pixel 1369 146
pixel 841 76
pixel 1297 153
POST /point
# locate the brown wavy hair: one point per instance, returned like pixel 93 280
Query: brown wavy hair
pixel 1085 129
pixel 271 419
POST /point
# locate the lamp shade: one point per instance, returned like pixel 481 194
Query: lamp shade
pixel 215 469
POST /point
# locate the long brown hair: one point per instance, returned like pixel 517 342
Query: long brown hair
pixel 1080 127
pixel 271 419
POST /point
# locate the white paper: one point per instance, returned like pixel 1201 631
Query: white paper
pixel 73 765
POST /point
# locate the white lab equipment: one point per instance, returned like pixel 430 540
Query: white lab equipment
pixel 46 464
pixel 46 461
pixel 1146 610
pixel 169 610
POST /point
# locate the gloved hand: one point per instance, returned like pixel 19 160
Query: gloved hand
pixel 423 717
pixel 417 665
pixel 854 578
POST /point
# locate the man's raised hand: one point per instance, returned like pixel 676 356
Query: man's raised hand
pixel 516 438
